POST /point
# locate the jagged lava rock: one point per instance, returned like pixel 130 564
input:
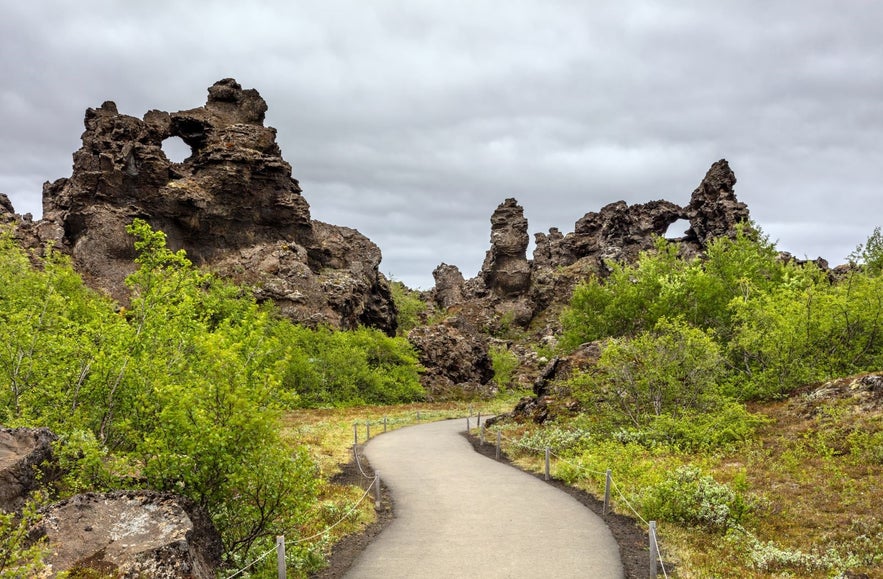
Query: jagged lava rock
pixel 131 534
pixel 232 205
pixel 506 270
pixel 454 354
pixel 25 459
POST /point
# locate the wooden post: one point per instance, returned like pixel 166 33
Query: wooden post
pixel 280 556
pixel 498 445
pixel 548 473
pixel 384 424
pixel 418 416
pixel 481 434
pixel 653 549
pixel 607 492
pixel 367 430
pixel 377 489
pixel 478 422
pixel 467 425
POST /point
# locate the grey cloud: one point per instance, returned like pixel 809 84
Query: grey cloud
pixel 412 121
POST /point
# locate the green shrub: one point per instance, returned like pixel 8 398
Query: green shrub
pixel 504 363
pixel 670 370
pixel 691 498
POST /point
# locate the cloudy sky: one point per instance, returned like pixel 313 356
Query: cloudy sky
pixel 411 121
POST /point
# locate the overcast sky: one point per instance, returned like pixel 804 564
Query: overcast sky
pixel 412 120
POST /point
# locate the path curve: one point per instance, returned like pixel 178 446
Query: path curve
pixel 460 514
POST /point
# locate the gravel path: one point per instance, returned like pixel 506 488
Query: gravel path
pixel 459 514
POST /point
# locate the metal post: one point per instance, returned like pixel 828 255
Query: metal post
pixel 376 489
pixel 607 492
pixel 355 433
pixel 498 445
pixel 280 556
pixel 367 430
pixel 548 473
pixel 478 422
pixel 384 424
pixel 653 549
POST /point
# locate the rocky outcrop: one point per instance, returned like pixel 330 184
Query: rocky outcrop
pixel 455 356
pixel 130 534
pixel 506 271
pixel 509 285
pixel 232 205
pixel 25 461
pixel 714 210
pixel 449 286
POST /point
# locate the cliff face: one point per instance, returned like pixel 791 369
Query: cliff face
pixel 232 205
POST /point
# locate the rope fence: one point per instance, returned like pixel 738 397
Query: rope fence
pixel 609 485
pixel 375 485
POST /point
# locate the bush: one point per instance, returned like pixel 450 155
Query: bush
pixel 690 498
pixel 504 363
pixel 671 370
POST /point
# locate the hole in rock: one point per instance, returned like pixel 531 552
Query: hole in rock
pixel 677 229
pixel 176 149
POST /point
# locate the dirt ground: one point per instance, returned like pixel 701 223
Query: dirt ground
pixel 632 540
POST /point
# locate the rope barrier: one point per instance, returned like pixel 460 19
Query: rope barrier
pixel 252 564
pixel 582 469
pixel 326 530
pixel 659 558
pixel 359 463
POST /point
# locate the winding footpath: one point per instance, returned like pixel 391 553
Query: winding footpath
pixel 460 514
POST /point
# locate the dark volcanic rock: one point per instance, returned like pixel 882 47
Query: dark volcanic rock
pixel 25 459
pixel 454 354
pixel 713 210
pixel 131 534
pixel 232 204
pixel 506 270
pixel 449 286
pixel 510 285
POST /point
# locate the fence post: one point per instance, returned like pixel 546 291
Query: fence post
pixel 280 556
pixel 548 469
pixel 478 422
pixel 653 549
pixel 355 434
pixel 498 445
pixel 377 489
pixel 367 430
pixel 481 435
pixel 467 425
pixel 384 424
pixel 607 493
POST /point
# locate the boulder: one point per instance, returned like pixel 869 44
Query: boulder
pixel 25 461
pixel 455 356
pixel 130 534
